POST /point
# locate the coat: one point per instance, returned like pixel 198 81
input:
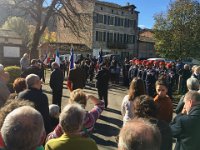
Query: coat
pixel 186 129
pixel 40 101
pixel 56 80
pixel 102 79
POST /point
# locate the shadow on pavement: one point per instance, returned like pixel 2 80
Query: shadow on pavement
pixel 113 111
pixel 103 142
pixel 49 92
pixel 110 130
pixel 114 121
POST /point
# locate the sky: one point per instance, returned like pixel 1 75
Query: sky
pixel 147 9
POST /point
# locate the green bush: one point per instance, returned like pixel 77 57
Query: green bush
pixel 14 72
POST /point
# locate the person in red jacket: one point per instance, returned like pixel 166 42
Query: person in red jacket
pixel 163 102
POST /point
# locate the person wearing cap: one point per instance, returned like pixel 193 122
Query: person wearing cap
pixel 150 79
pixel 133 70
pixel 102 77
pixel 125 69
pixel 170 79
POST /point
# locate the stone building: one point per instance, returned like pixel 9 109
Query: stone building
pixel 146 44
pixel 10 47
pixel 110 27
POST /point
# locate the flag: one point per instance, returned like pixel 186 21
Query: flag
pixel 45 60
pixel 57 58
pixel 100 56
pixel 71 66
pixel 71 59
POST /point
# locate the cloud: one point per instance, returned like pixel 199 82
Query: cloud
pixel 142 26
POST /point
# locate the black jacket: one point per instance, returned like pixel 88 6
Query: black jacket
pixel 32 70
pixel 102 78
pixel 56 80
pixel 186 128
pixel 40 101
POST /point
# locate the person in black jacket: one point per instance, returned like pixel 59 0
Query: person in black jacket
pixel 102 83
pixel 33 69
pixel 34 94
pixel 56 84
pixel 185 126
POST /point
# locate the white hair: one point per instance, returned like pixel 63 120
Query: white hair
pixel 193 84
pixel 54 110
pixel 22 129
pixel 31 80
pixel 72 118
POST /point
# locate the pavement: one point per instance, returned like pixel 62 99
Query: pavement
pixel 109 124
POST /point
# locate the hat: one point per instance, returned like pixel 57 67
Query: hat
pixel 162 63
pixel 168 65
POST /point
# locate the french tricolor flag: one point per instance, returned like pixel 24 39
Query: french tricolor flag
pixel 57 59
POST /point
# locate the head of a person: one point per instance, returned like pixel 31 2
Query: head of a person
pixel 10 105
pixel 54 65
pixel 71 118
pixel 197 70
pixel 25 55
pixel 78 96
pixel 54 110
pixel 34 62
pixel 193 68
pixel 136 88
pixel 161 88
pixel 33 81
pixel 193 84
pixel 23 129
pixel 144 107
pixel 139 134
pixel 186 67
pixel 19 85
pixel 191 99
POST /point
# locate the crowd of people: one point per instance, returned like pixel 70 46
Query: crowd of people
pixel 28 122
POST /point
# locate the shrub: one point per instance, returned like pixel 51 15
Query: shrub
pixel 14 72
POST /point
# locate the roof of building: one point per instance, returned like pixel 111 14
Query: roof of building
pixel 6 33
pixel 116 5
pixel 146 39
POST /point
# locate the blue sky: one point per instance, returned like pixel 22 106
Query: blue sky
pixel 147 9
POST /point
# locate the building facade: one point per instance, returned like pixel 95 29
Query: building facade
pixel 146 44
pixel 11 48
pixel 110 27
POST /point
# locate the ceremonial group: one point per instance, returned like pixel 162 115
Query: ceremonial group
pixel 29 122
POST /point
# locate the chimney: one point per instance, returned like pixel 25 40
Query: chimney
pixel 128 3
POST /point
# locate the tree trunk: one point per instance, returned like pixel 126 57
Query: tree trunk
pixel 34 45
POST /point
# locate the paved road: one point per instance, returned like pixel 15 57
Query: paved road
pixel 110 122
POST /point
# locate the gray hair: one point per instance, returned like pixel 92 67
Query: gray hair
pixel 31 79
pixel 54 65
pixel 54 109
pixel 193 84
pixel 139 134
pixel 22 129
pixel 186 66
pixel 72 118
pixel 192 95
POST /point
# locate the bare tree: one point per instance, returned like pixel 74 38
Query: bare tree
pixel 41 11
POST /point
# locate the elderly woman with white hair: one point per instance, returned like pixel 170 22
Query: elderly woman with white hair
pixel 71 121
pixel 192 85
